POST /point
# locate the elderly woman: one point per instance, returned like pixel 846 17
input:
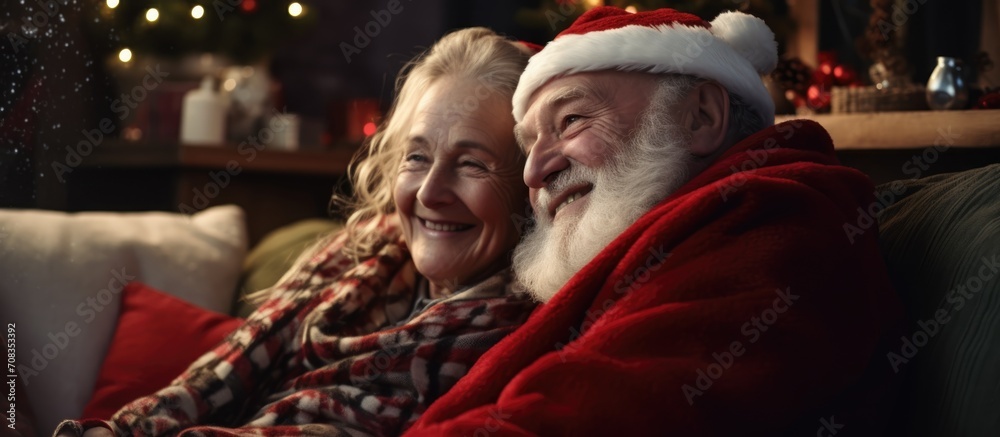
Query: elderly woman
pixel 381 319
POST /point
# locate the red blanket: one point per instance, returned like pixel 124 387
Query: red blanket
pixel 743 304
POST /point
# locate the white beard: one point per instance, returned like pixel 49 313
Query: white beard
pixel 644 171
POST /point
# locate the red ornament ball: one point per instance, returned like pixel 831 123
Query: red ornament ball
pixel 820 78
pixel 818 97
pixel 844 75
pixel 827 57
pixel 826 68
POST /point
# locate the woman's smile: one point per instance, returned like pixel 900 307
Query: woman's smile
pixel 444 227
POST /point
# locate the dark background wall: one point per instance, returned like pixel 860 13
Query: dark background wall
pixel 57 85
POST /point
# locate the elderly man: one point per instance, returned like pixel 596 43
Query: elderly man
pixel 692 257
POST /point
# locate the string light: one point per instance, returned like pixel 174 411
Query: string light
pixel 295 9
pixel 631 9
pixel 125 55
pixel 197 12
pixel 112 4
pixel 152 14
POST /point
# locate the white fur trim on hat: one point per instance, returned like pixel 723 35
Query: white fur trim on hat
pixel 735 55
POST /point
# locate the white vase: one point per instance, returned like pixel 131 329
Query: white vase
pixel 947 88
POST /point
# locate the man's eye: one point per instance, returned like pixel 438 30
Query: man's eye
pixel 570 119
pixel 473 164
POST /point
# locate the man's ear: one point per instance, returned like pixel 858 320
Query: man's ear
pixel 704 113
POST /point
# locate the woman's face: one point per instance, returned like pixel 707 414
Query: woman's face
pixel 459 184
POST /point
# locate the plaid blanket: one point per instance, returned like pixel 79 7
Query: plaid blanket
pixel 335 351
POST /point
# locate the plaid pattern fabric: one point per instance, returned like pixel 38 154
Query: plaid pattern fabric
pixel 331 353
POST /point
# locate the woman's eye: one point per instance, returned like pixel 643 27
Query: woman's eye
pixel 473 164
pixel 415 157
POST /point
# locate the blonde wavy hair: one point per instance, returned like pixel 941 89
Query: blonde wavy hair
pixel 475 53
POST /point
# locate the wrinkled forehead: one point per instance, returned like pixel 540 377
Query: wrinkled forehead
pixel 587 87
pixel 557 93
pixel 596 86
pixel 564 88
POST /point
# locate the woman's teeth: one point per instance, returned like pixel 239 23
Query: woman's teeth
pixel 569 200
pixel 445 227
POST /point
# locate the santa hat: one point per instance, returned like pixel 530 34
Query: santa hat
pixel 735 49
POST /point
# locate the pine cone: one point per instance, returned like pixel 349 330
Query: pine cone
pixel 792 74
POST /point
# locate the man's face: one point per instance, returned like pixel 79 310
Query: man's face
pixel 579 120
pixel 602 150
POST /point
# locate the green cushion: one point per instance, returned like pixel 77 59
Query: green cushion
pixel 941 241
pixel 275 254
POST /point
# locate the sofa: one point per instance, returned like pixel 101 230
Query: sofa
pixel 938 234
pixel 77 321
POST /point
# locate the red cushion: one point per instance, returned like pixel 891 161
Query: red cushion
pixel 157 337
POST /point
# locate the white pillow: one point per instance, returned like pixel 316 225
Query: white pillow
pixel 61 276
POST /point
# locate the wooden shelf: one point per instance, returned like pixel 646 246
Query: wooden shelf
pixel 909 130
pixel 273 187
pixel 121 154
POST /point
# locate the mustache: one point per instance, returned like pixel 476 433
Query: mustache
pixel 575 175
